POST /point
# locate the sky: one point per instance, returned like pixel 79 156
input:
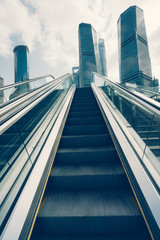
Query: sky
pixel 50 30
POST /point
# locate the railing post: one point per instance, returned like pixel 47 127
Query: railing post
pixel 112 95
pixel 134 117
pixel 120 105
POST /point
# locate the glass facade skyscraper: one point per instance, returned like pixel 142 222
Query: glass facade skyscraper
pixel 88 53
pixel 134 59
pixel 102 57
pixel 21 67
pixel 21 70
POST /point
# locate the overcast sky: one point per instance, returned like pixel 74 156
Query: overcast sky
pixel 50 30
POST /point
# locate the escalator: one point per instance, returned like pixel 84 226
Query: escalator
pixel 88 195
pixel 25 127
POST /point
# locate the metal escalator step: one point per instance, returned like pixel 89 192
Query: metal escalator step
pixel 95 176
pixel 80 141
pixel 84 114
pixel 84 109
pixel 86 121
pixel 89 212
pixel 84 103
pixel 85 129
pixel 84 96
pixel 86 155
pixel 123 236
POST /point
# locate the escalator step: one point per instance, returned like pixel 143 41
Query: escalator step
pixel 89 212
pixel 84 129
pixel 79 103
pixel 84 109
pixel 82 177
pixel 86 155
pixel 85 121
pixel 123 236
pixel 84 114
pixel 84 103
pixel 80 141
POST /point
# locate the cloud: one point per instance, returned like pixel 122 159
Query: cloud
pixel 50 29
pixel 16 19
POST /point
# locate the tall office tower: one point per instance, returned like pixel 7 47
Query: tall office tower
pixel 21 67
pixel 134 59
pixel 102 57
pixel 88 53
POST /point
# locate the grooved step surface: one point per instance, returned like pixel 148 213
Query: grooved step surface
pixel 85 141
pixel 89 203
pixel 89 212
pixel 86 155
pixel 83 104
pixel 86 121
pixel 95 176
pixel 84 129
pixel 83 108
pixel 82 170
pixel 118 236
pixel 84 114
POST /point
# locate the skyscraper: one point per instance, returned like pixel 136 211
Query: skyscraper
pixel 21 70
pixel 102 57
pixel 21 67
pixel 88 53
pixel 134 59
